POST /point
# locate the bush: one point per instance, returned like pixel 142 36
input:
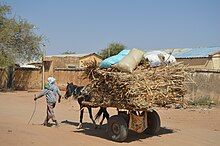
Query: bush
pixel 203 101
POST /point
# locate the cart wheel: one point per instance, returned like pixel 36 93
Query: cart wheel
pixel 125 116
pixel 117 128
pixel 153 123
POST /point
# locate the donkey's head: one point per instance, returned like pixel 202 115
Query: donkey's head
pixel 70 90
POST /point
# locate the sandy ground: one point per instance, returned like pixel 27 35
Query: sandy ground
pixel 179 127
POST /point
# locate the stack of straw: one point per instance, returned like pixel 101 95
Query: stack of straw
pixel 144 88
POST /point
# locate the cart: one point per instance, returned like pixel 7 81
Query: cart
pixel 139 120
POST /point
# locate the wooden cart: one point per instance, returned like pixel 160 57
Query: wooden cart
pixel 141 121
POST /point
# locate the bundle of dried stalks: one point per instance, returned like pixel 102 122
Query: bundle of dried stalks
pixel 145 87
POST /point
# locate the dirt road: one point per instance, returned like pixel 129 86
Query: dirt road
pixel 179 127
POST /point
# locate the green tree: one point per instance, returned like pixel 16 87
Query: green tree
pixel 69 52
pixel 112 49
pixel 18 42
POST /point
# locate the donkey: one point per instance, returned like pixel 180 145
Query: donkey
pixel 74 90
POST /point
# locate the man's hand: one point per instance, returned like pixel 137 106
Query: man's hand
pixel 35 98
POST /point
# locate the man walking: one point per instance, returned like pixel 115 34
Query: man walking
pixel 51 91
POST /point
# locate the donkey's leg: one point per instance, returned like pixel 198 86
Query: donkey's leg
pixel 91 117
pixel 81 117
pixel 105 115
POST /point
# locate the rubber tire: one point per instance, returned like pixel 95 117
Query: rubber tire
pixel 153 120
pixel 125 116
pixel 118 122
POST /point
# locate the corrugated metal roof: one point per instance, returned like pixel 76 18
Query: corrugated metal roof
pixel 195 52
pixel 28 66
pixel 68 55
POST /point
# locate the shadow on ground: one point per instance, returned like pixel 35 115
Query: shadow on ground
pixel 88 129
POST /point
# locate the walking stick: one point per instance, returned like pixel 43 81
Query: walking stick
pixel 35 105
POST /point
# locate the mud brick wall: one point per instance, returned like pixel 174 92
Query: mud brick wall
pixel 3 78
pixel 69 75
pixel 207 84
pixel 31 78
pixel 27 79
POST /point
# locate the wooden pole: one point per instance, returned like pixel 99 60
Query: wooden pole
pixel 43 72
pixel 43 69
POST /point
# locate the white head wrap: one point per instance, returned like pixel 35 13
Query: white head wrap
pixel 51 80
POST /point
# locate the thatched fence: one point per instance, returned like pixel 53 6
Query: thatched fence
pixel 207 82
pixel 3 78
pixel 32 78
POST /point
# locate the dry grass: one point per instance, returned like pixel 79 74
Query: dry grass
pixel 145 87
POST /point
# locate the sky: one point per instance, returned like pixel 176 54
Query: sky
pixel 87 26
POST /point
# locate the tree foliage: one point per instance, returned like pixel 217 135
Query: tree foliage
pixel 69 52
pixel 18 42
pixel 112 49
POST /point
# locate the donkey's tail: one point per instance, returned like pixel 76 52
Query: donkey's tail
pixel 101 110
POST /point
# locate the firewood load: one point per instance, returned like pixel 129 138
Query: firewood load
pixel 145 87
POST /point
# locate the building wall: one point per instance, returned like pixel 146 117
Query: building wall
pixel 89 59
pixel 31 79
pixel 63 62
pixel 27 79
pixel 69 75
pixel 216 61
pixel 54 62
pixel 206 84
pixel 204 62
pixel 3 78
pixel 51 63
